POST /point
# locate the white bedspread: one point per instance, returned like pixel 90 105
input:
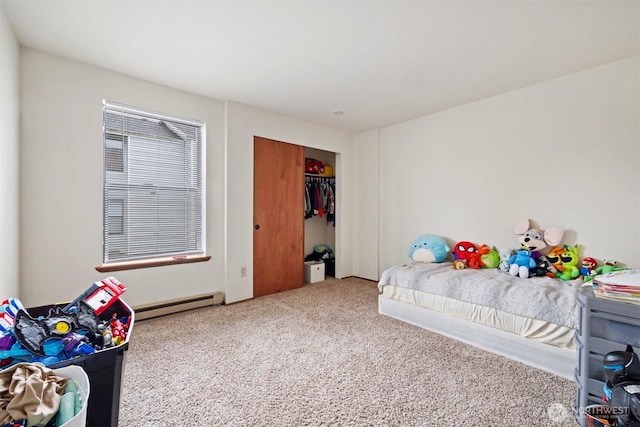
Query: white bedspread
pixel 543 298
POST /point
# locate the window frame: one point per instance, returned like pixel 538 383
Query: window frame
pixel 197 231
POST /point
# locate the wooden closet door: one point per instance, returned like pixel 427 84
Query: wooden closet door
pixel 278 216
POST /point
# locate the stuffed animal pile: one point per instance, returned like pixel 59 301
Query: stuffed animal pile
pixel 532 243
pixel 540 253
pixel 467 254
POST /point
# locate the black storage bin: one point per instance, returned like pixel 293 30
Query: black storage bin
pixel 104 369
pixel 330 267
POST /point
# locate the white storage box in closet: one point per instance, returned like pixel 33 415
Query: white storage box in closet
pixel 313 271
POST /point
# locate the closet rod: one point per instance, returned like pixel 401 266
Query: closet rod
pixel 315 178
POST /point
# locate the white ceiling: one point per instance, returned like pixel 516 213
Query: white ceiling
pixel 382 62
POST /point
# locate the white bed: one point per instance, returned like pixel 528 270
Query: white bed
pixel 529 320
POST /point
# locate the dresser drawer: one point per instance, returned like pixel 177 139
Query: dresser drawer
pixel 595 391
pixel 615 327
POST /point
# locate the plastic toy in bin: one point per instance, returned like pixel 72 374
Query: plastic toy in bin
pixel 119 329
pixel 8 311
pixel 100 295
pixel 32 333
pixel 65 332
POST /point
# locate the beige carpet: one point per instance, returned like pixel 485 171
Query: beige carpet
pixel 323 356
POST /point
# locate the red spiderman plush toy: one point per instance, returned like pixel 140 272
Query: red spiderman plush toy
pixel 464 250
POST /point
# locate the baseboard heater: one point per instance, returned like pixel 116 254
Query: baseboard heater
pixel 149 311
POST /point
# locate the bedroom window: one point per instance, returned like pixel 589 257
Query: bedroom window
pixel 153 189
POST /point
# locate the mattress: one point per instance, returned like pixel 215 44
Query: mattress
pixel 534 329
pixel 540 308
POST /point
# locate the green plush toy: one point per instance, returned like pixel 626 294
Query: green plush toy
pixel 490 259
pixel 565 259
pixel 608 266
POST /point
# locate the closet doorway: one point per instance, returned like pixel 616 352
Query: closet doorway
pixel 321 230
pixel 278 223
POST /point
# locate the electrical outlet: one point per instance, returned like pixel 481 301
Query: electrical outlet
pixel 243 271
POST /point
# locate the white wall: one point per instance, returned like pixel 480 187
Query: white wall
pixel 366 204
pixel 243 123
pixel 61 182
pixel 563 153
pixel 9 162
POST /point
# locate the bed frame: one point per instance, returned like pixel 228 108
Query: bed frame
pixel 547 357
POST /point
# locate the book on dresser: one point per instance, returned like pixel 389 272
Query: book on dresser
pixel 621 285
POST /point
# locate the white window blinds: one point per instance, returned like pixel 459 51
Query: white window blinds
pixel 153 185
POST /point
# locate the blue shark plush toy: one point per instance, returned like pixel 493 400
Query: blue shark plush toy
pixel 429 248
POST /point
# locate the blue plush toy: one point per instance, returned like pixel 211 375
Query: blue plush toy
pixel 521 262
pixel 429 248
